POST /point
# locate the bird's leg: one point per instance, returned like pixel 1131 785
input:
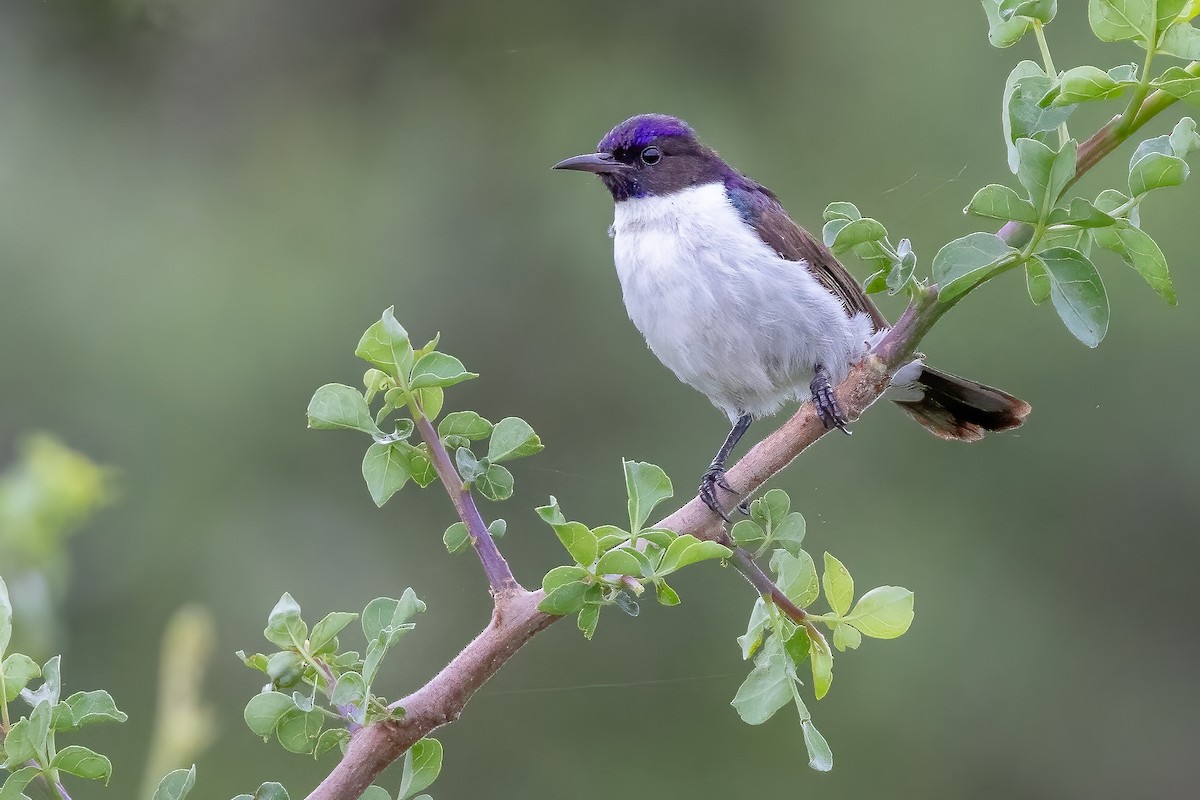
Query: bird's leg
pixel 714 476
pixel 824 400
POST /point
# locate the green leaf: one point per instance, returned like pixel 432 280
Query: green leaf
pixel 18 670
pixel 846 637
pixel 51 684
pixel 839 586
pixel 1081 214
pixel 686 550
pixel 747 533
pixel 456 538
pixel 1000 202
pixel 756 629
pixel 350 690
pixel 336 405
pixel 1044 172
pixel 438 369
pixel 964 261
pixel 1118 20
pixel 388 619
pixel 329 739
pixel 647 486
pixel 14 785
pixel 589 618
pixel 820 757
pixel 1037 281
pixel 26 739
pixel 1082 84
pixel 770 509
pixel 469 467
pixel 496 484
pixel 86 708
pixel 496 528
pixel 856 232
pixel 268 791
pixel 512 438
pixel 561 576
pixel 1139 251
pixel 385 344
pixel 375 793
pixel 5 618
pixel 883 613
pixel 422 763
pixel 385 470
pixel 82 763
pixel 766 689
pixel 841 210
pixel 1077 293
pixel 1181 41
pixel 822 663
pixel 419 465
pixel 464 423
pixel 797 647
pixel 1001 32
pixel 430 401
pixel 665 594
pixel 1156 171
pixel 796 576
pixel 1179 83
pixel 176 785
pixel 566 599
pixel 580 542
pixel 264 712
pixel 285 628
pixel 1022 115
pixel 325 631
pixel 789 534
pixel 1184 138
pixel 1041 10
pixel 619 561
pixel 298 730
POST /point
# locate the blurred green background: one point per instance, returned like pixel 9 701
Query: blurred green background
pixel 203 205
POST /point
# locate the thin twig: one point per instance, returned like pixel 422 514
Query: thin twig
pixel 499 574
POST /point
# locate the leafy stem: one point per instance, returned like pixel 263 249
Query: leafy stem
pixel 745 564
pixel 1048 61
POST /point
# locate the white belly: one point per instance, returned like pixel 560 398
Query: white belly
pixel 721 309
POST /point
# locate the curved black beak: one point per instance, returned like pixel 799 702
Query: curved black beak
pixel 592 162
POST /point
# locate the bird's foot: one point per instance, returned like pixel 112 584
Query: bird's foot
pixel 825 402
pixel 714 478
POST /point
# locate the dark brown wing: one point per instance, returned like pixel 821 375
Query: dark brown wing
pixel 759 206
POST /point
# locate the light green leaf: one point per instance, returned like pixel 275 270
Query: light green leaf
pixel 619 561
pixel 561 576
pixel 375 793
pixel 1044 173
pixel 336 405
pixel 325 631
pixel 839 586
pixel 264 712
pixel 770 509
pixel 1041 10
pixel 176 785
pixel 766 689
pixel 846 637
pixel 14 785
pixel 388 619
pixel 856 232
pixel 822 663
pixel 1139 251
pixel 5 618
pixel 1037 282
pixel 1181 41
pixel 438 369
pixel 789 534
pixel 469 467
pixel 1077 293
pixel 83 763
pixel 18 670
pixel 1179 83
pixel 686 550
pixel 1082 84
pixel 422 763
pixel 747 533
pixel 820 757
pixel 580 542
pixel 267 791
pixel 665 594
pixel 430 401
pixel 589 618
pixel 329 739
pixel 841 210
pixel 1118 20
pixel 1081 214
pixel 464 423
pixel 385 468
pixel 566 599
pixel 456 538
pixel 351 690
pixel 1022 115
pixel 647 486
pixel 512 438
pixel 1184 138
pixel 964 261
pixel 496 484
pixel 1156 171
pixel 86 708
pixel 756 628
pixel 297 732
pixel 285 628
pixel 796 576
pixel 1001 32
pixel 385 344
pixel 883 613
pixel 1000 202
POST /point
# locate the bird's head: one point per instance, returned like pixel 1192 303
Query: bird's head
pixel 650 155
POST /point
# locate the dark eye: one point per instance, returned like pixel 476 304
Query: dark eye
pixel 651 156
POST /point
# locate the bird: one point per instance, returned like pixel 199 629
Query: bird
pixel 742 303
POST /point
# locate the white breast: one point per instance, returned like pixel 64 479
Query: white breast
pixel 721 309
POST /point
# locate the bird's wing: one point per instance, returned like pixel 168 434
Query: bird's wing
pixel 759 207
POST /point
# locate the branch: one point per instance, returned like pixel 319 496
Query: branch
pixel 499 574
pixel 516 619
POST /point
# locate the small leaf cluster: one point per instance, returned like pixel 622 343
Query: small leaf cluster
pixel 780 645
pixel 314 683
pixel 846 230
pixel 1037 103
pixel 29 748
pixel 614 566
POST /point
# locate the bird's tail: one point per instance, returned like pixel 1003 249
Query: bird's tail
pixel 957 408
